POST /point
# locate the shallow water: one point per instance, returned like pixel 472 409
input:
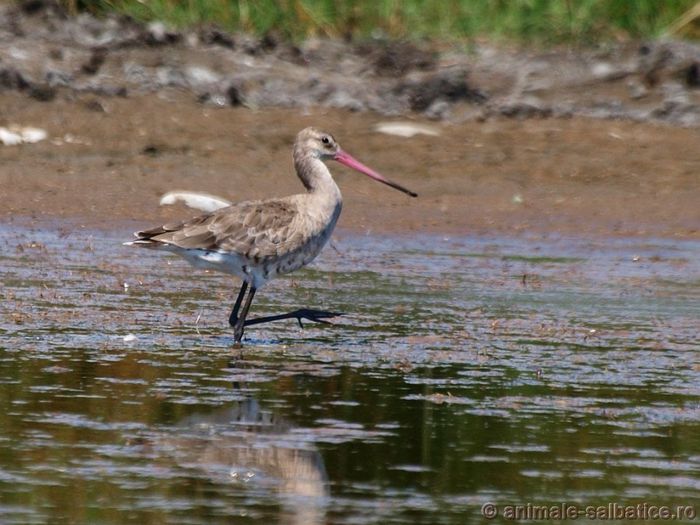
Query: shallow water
pixel 465 371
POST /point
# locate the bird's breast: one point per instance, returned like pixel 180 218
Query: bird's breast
pixel 318 228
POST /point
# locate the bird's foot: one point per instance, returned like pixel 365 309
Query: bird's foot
pixel 316 316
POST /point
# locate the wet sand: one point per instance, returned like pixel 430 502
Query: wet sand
pixel 564 176
pixel 558 141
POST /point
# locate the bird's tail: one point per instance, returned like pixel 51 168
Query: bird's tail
pixel 146 238
pixel 146 243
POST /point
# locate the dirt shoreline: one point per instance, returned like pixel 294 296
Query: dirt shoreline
pixel 563 176
pixel 48 55
pixel 595 142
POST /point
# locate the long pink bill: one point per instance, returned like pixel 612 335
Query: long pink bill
pixel 350 162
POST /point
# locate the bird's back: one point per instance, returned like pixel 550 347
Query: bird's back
pixel 257 239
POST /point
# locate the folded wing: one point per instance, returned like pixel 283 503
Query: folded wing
pixel 251 229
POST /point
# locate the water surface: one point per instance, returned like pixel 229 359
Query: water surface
pixel 465 371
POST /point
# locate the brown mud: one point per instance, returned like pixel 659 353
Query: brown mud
pixel 538 175
pixel 599 141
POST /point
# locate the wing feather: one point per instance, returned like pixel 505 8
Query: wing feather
pixel 254 229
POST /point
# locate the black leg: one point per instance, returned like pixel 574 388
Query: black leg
pixel 233 318
pixel 240 323
pixel 317 316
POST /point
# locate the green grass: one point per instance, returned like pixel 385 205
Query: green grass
pixel 521 21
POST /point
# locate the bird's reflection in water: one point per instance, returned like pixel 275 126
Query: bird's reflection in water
pixel 259 451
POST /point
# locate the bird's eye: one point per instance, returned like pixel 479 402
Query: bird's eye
pixel 326 140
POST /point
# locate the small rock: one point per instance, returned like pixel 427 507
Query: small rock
pixel 42 92
pixel 58 78
pixel 270 40
pixel 113 91
pixel 32 135
pixel 235 97
pixel 524 107
pixel 451 86
pixel 31 7
pixel 152 150
pixel 405 129
pixel 9 138
pixel 10 78
pixel 95 105
pixel 215 36
pixel 637 90
pixel 14 135
pixel 56 53
pixel 602 70
pixel 215 99
pixel 438 110
pixel 94 63
pixel 198 75
pixel 692 75
pixel 157 33
pixel 395 58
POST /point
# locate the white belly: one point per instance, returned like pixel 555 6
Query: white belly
pixel 260 271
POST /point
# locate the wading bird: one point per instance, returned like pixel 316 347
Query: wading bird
pixel 259 240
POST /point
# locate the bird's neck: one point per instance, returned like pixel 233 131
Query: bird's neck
pixel 316 177
pixel 323 198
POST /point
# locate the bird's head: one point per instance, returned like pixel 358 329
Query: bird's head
pixel 312 142
pixel 317 143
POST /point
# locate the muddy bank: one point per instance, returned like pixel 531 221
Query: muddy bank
pixel 48 56
pixel 134 111
pixel 571 176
